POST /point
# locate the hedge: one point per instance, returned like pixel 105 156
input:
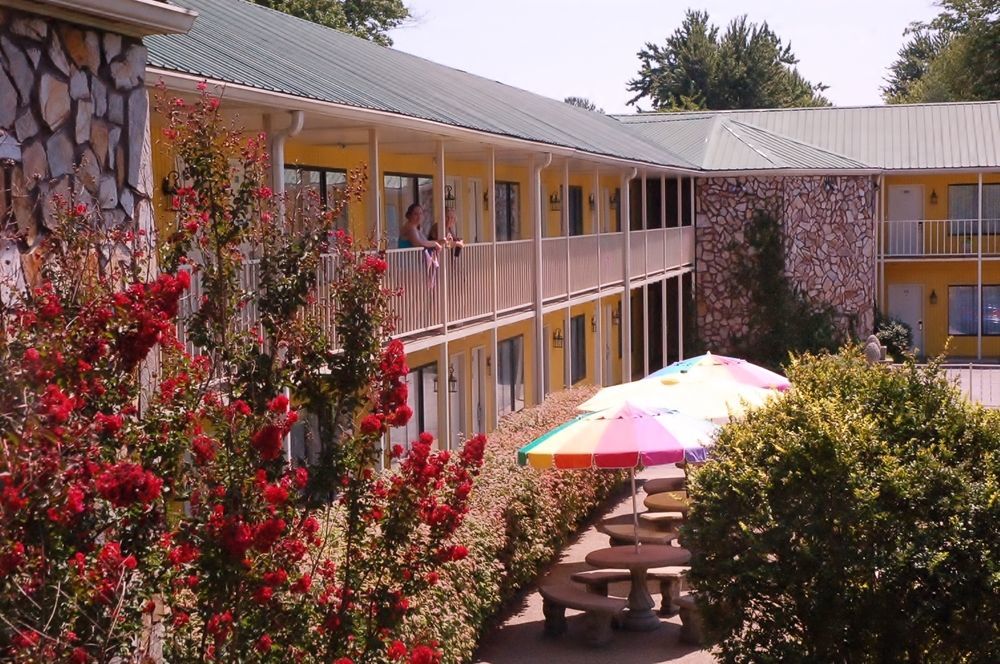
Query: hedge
pixel 519 519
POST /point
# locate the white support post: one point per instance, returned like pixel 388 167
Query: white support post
pixel 535 195
pixel 680 201
pixel 645 287
pixel 491 196
pixel 444 405
pixel 694 232
pixel 375 188
pixel 598 313
pixel 626 322
pixel 680 317
pixel 567 332
pixel 492 373
pixel 979 266
pixel 665 343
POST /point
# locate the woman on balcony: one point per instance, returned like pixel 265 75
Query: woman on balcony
pixel 412 235
pixel 451 238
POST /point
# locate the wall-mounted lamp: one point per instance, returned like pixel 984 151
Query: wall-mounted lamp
pixel 489 366
pixel 616 316
pixel 933 296
pixel 169 188
pixel 593 324
pixel 829 184
pixel 557 338
pixel 934 198
pixel 590 201
pixel 613 200
pixel 449 198
pixel 555 202
pixel 452 381
pixel 486 201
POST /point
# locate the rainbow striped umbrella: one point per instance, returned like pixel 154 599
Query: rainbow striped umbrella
pixel 719 367
pixel 626 436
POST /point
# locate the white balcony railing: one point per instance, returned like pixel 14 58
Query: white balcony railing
pixel 937 238
pixel 471 285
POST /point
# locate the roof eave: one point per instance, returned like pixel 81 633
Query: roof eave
pixel 182 82
pixel 132 17
pixel 789 172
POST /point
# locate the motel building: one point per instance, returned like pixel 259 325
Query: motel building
pixel 596 247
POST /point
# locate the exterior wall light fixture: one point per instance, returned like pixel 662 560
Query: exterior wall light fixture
pixel 933 297
pixel 934 198
pixel 557 338
pixel 555 202
pixel 590 201
pixel 449 198
pixel 616 317
pixel 613 200
pixel 593 324
pixel 452 381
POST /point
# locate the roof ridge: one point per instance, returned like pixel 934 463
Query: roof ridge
pixel 657 116
pixel 796 141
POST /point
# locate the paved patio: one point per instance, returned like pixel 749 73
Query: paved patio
pixel 520 638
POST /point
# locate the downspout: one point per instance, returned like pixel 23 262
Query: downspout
pixel 536 183
pixel 625 205
pixel 278 155
pixel 278 187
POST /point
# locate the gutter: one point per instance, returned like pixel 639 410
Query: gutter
pixel 278 139
pixel 243 93
pixel 132 17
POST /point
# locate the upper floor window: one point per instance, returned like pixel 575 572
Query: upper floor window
pixel 508 208
pixel 309 186
pixel 963 203
pixel 402 191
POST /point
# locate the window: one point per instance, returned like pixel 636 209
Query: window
pixel 963 203
pixel 575 203
pixel 422 399
pixel 510 375
pixel 508 206
pixel 578 350
pixel 307 187
pixel 962 319
pixel 402 191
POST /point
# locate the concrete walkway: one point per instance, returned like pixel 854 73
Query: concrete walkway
pixel 520 638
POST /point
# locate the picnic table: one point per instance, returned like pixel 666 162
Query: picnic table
pixel 639 614
pixel 668 501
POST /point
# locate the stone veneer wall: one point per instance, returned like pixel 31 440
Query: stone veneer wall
pixel 829 237
pixel 74 117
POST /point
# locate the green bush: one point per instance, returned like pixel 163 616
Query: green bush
pixel 519 518
pixel 895 335
pixel 856 519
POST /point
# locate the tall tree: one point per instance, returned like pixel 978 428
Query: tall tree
pixel 368 19
pixel 747 66
pixel 954 57
pixel 583 103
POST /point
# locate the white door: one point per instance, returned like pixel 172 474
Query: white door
pixel 478 390
pixel 906 303
pixel 456 406
pixel 906 214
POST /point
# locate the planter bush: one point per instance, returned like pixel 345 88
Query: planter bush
pixel 895 335
pixel 856 519
pixel 518 520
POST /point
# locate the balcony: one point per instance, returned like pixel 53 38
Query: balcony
pixel 939 238
pixel 486 280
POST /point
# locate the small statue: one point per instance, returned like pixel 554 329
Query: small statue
pixel 873 350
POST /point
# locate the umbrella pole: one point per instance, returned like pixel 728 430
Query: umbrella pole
pixel 635 511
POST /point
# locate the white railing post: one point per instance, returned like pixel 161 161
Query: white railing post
pixel 536 205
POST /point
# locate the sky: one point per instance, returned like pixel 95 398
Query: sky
pixel 587 48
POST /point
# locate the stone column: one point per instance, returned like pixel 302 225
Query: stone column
pixel 74 117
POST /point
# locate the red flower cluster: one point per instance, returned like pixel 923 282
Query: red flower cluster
pixel 125 484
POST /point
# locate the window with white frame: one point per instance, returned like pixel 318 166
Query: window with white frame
pixel 421 398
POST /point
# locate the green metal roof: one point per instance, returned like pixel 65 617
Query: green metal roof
pixel 239 42
pixel 893 137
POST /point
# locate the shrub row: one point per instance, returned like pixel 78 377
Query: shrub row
pixel 518 520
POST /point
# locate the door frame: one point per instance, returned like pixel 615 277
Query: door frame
pixel 918 332
pixel 919 231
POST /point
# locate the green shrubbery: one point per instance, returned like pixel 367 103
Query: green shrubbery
pixel 895 335
pixel 856 519
pixel 518 520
